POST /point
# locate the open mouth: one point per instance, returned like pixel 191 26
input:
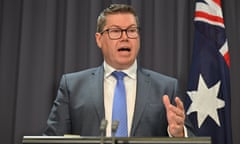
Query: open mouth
pixel 124 49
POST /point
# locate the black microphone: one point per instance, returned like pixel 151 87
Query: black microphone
pixel 114 129
pixel 102 128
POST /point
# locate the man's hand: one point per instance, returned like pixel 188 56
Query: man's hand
pixel 175 116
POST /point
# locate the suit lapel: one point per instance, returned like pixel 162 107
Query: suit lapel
pixel 97 92
pixel 143 87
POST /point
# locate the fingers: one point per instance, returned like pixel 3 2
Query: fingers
pixel 175 116
pixel 166 101
pixel 174 112
pixel 179 103
pixel 179 119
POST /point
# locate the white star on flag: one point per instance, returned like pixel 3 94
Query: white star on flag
pixel 205 102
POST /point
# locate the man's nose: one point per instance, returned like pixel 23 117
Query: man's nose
pixel 124 34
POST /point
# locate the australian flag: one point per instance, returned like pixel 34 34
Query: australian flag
pixel 208 101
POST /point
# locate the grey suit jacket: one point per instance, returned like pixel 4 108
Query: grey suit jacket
pixel 79 105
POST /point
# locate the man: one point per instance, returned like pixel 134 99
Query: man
pixel 86 97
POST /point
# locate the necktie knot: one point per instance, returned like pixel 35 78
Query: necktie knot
pixel 118 75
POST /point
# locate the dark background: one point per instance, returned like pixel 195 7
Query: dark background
pixel 42 39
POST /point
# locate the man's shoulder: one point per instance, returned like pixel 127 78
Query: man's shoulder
pixel 83 73
pixel 157 75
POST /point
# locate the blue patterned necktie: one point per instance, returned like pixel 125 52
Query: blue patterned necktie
pixel 119 111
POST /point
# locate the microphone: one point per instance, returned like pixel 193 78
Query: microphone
pixel 114 127
pixel 102 128
pixel 115 124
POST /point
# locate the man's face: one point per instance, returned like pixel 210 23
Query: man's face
pixel 119 53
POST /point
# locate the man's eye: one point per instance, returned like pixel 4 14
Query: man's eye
pixel 132 30
pixel 115 30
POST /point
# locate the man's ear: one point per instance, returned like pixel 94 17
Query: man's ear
pixel 98 37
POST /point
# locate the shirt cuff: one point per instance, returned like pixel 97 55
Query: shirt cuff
pixel 184 129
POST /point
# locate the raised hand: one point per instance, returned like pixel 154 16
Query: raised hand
pixel 175 116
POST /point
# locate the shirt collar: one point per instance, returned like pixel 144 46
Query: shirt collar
pixel 131 71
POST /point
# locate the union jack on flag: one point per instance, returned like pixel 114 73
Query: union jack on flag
pixel 208 101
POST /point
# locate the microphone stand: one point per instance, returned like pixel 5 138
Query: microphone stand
pixel 102 128
pixel 114 129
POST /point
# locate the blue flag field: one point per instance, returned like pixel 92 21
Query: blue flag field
pixel 209 100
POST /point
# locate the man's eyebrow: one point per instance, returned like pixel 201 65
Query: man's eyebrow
pixel 117 26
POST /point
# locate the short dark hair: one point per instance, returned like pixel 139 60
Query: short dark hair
pixel 113 9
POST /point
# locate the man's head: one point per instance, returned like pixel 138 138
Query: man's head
pixel 118 35
pixel 114 9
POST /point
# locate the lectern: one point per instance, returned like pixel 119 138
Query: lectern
pixel 115 140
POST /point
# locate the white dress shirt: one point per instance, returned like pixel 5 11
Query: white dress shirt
pixel 109 86
pixel 130 82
